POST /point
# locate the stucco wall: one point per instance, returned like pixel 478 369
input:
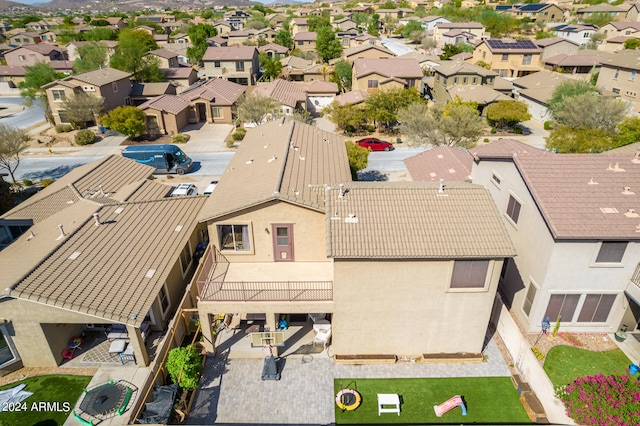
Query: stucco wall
pixel 115 99
pixel 406 308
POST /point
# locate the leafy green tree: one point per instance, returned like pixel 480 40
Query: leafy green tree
pixel 411 27
pixel 315 22
pixel 565 139
pixel 82 108
pixel 35 77
pixel 90 57
pixel 506 114
pixel 388 5
pixel 302 115
pixel 198 34
pixel 98 34
pixel 284 38
pixel 543 34
pixel 598 19
pixel 498 24
pixel 327 46
pixel 420 12
pixel 449 50
pixel 632 44
pixel 592 111
pixel 272 68
pixel 566 90
pixel 184 365
pixel 347 118
pixel 358 158
pixel 628 132
pixel 68 21
pixel 133 46
pixel 594 41
pixel 361 20
pixel 459 124
pixel 99 22
pixel 382 106
pixel 13 142
pixel 342 74
pixel 207 14
pixel 254 108
pixel 256 22
pixel 7 197
pixel 128 120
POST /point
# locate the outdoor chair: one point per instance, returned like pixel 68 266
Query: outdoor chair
pixel 322 338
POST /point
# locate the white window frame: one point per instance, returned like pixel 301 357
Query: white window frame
pixel 60 98
pixel 21 58
pixel 596 252
pixel 166 293
pixel 533 284
pixel 506 214
pixel 10 345
pixel 234 251
pixel 185 268
pixel 496 179
pixel 487 278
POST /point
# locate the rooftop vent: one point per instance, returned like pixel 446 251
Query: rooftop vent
pixel 75 255
pixel 341 193
pixel 178 228
pixel 31 236
pixel 592 182
pixel 352 218
pixel 119 210
pixel 301 157
pixel 452 170
pixel 441 187
pixel 440 156
pixel 627 191
pixel 150 273
pixel 636 158
pixel 96 218
pixel 615 168
pixel 608 210
pixel 62 234
pixel 272 159
pixel 433 174
pixel 295 191
pixel 631 213
pixel 249 161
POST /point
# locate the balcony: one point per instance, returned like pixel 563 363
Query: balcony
pixel 220 280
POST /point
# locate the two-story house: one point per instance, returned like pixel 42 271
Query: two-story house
pixel 615 12
pixel 366 52
pixel 106 247
pixel 305 41
pixel 555 46
pixel 382 74
pixel 109 45
pixel 111 84
pixel 508 57
pixel 474 28
pixel 619 75
pixel 223 28
pixel 31 54
pixel 577 33
pixel 305 239
pixel 299 25
pixel 573 219
pixel 544 13
pixel 166 58
pixel 237 63
pixel 25 38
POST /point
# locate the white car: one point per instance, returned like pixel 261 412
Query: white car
pixel 184 189
pixel 210 187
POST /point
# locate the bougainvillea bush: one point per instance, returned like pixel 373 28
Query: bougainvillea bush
pixel 602 400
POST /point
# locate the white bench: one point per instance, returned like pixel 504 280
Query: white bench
pixel 388 403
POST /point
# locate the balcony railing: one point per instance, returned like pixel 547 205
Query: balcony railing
pixel 213 287
pixel 635 278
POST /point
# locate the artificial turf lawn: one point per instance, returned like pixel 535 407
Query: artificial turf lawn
pixel 52 388
pixel 564 364
pixel 490 400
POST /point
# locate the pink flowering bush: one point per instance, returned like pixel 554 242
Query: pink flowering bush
pixel 602 400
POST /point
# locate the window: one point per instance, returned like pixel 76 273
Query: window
pixel 114 86
pixel 585 35
pixel 239 66
pixel 58 95
pixel 563 305
pixel 216 112
pixel 504 73
pixel 164 300
pixel 528 300
pixel 616 91
pixel 455 80
pixel 300 42
pixel 611 251
pixel 464 80
pixel 505 56
pixel 513 209
pixel 372 84
pixel 484 55
pixel 469 273
pixel 6 351
pixel 475 80
pixel 216 64
pixel 496 179
pixel 185 258
pixel 526 59
pixel 21 58
pixel 617 73
pixel 596 307
pixel 234 237
pixel 345 41
pixel 411 82
pixel 632 76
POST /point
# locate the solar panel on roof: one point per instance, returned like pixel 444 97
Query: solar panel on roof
pixel 533 7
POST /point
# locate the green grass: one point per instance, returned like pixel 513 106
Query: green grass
pixel 491 400
pixel 564 364
pixel 52 388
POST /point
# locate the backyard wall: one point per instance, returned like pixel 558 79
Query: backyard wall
pixel 526 363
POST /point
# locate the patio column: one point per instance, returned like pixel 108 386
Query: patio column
pixel 272 325
pixel 205 325
pixel 135 339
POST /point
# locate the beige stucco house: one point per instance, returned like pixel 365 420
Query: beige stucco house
pixel 105 248
pixel 366 51
pixel 450 75
pixel 31 54
pixel 474 28
pixel 618 74
pixel 305 239
pixel 165 114
pixel 508 57
pixel 238 64
pixel 574 223
pixel 384 74
pixel 111 84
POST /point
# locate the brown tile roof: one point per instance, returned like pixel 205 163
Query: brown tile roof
pixel 273 47
pixel 42 48
pixel 164 53
pixel 110 271
pixel 298 63
pixel 449 68
pixel 144 190
pixel 624 59
pixel 505 148
pixel 177 73
pixel 100 77
pixel 462 56
pixel 545 42
pixel 463 25
pixel 317 86
pixel 283 91
pixel 352 97
pixel 501 83
pixel 400 68
pixel 580 196
pixel 624 25
pixel 216 90
pixel 99 179
pixel 363 48
pixel 414 220
pixel 305 36
pixel 290 158
pixel 151 89
pixel 574 60
pixel 233 53
pixel 483 95
pixel 171 104
pixel 443 162
pixel 12 71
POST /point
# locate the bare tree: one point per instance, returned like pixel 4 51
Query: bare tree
pixel 82 108
pixel 256 108
pixel 13 142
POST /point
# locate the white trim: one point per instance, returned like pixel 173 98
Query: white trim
pixel 535 296
pixel 596 252
pixel 10 345
pixel 511 221
pixel 487 278
pixel 166 292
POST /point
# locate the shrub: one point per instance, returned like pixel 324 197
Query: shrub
pixel 517 130
pixel 238 135
pixel 185 366
pixel 486 140
pixel 46 182
pixel 371 128
pixel 85 137
pixel 602 400
pixel 230 144
pixel 27 182
pixel 180 138
pixel 537 352
pixel 63 128
pixel 493 131
pixel 547 125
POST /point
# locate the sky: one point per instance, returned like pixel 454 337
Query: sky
pixel 31 2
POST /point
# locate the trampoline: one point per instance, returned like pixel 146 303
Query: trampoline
pixel 348 399
pixel 104 401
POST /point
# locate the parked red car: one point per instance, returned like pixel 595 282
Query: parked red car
pixel 375 144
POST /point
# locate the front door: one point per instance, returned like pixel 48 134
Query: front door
pixel 282 242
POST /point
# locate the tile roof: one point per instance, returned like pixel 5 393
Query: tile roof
pixel 229 53
pixel 218 91
pixel 144 190
pixel 624 59
pixel 582 196
pixel 97 180
pixel 111 270
pixel 163 53
pixel 414 220
pixel 150 89
pixel 505 148
pixel 352 97
pixel 574 60
pixel 12 70
pixel 540 85
pixel 601 7
pixel 283 91
pixel 448 68
pixel 317 86
pixel 501 83
pixel 171 104
pixel 42 48
pixel 305 36
pixel 442 162
pixel 392 67
pixel 462 56
pixel 544 42
pixel 483 95
pixel 363 48
pixel 624 25
pixel 452 25
pixel 297 62
pixel 177 73
pixel 575 28
pixel 273 47
pixel 290 158
pixel 100 77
